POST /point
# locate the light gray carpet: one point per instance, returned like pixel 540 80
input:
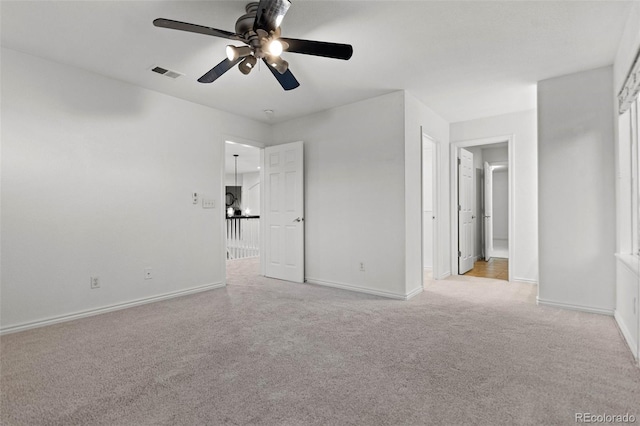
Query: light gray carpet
pixel 269 352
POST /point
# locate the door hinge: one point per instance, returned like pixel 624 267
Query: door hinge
pixel 459 207
pixel 459 161
pixel 459 254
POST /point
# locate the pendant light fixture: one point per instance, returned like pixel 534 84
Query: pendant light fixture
pixel 237 210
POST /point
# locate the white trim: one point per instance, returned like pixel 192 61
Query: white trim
pixel 525 281
pixel 106 309
pixel 364 290
pixel 446 275
pixel 630 261
pixel 571 307
pixel 414 293
pixel 626 334
pixel 455 147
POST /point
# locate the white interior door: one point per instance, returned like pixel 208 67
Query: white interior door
pixel 428 215
pixel 465 211
pixel 430 258
pixel 488 211
pixel 284 212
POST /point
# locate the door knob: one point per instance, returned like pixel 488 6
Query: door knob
pixel 298 219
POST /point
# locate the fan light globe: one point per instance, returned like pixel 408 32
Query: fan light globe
pixel 231 53
pixel 275 48
pixel 279 64
pixel 234 52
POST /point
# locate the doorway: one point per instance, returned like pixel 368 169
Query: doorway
pixel 263 189
pixel 482 207
pixel 242 189
pixel 430 182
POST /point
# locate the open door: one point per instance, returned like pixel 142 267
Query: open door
pixel 488 211
pixel 465 211
pixel 284 212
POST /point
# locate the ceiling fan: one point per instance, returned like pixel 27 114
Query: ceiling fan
pixel 259 30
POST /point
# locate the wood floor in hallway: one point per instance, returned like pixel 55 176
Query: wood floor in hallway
pixel 497 268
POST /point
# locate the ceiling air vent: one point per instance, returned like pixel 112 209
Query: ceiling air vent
pixel 166 72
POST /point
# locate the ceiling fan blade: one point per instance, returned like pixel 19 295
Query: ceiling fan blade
pixel 193 28
pixel 286 80
pixel 270 14
pixel 215 72
pixel 319 48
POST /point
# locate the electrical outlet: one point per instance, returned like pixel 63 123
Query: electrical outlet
pixel 95 282
pixel 208 203
pixel 361 266
pixel 148 274
pixel 195 197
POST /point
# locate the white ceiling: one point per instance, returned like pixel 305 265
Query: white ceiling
pixel 465 60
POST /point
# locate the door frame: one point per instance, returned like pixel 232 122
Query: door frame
pixel 222 190
pixel 435 196
pixel 454 154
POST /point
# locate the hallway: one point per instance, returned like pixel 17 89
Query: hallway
pixel 497 268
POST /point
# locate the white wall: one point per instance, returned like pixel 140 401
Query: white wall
pixel 418 119
pixel 97 177
pixel 500 205
pixel 230 179
pixel 628 47
pixel 523 126
pixel 251 192
pixel 495 155
pixel 354 194
pixel 576 190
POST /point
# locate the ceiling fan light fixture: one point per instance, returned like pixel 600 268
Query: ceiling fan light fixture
pixel 247 64
pixel 234 52
pixel 275 47
pixel 279 64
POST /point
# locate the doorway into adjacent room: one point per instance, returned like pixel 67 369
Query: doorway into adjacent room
pixel 264 211
pixel 482 208
pixel 242 204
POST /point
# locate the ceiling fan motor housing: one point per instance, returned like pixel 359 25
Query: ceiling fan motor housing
pixel 244 24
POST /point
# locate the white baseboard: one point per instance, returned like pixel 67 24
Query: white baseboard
pixel 105 309
pixel 365 290
pixel 627 335
pixel 571 307
pixel 414 293
pixel 525 281
pixel 444 275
